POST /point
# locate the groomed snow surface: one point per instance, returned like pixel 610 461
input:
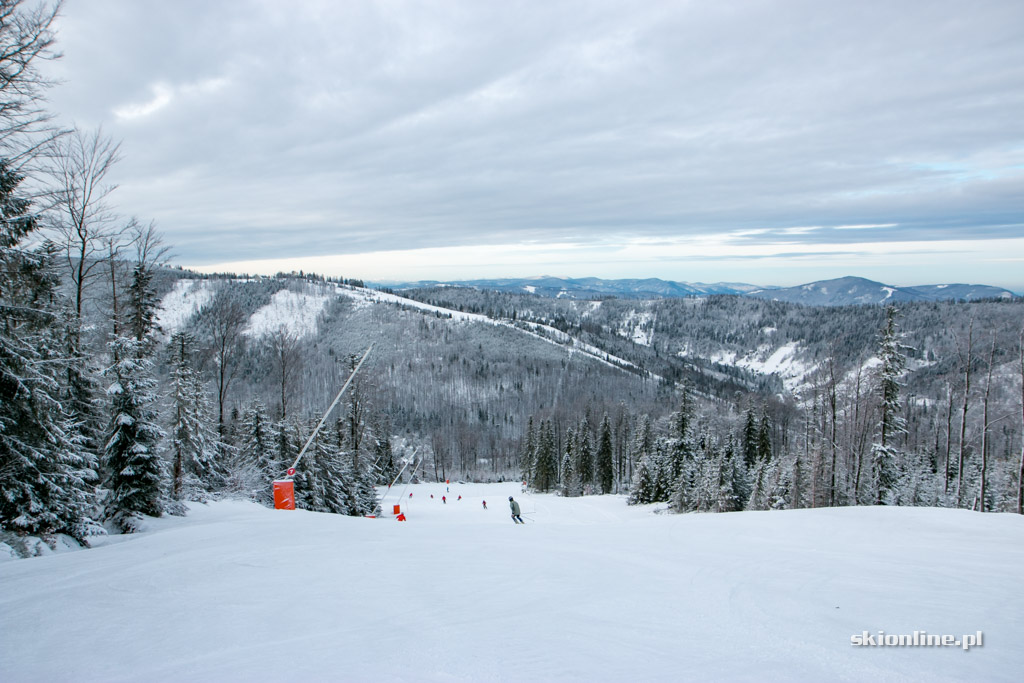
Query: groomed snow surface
pixel 588 590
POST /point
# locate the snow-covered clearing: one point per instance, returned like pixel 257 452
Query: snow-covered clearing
pixel 781 361
pixel 182 302
pixel 639 327
pixel 294 313
pixel 588 590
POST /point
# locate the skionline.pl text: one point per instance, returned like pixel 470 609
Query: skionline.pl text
pixel 915 639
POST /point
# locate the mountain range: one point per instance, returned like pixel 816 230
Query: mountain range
pixel 844 291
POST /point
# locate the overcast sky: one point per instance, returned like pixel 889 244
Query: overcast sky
pixel 764 142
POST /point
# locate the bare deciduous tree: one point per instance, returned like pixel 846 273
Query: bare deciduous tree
pixel 227 320
pixel 84 222
pixel 26 37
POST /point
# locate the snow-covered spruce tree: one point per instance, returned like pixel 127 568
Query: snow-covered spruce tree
pixel 364 476
pixel 664 461
pixel 584 456
pixel 886 458
pixel 704 494
pixel 749 438
pixel 764 436
pixel 383 453
pixel 733 481
pixel 528 455
pixel 571 485
pixel 642 445
pixel 256 464
pixel 545 476
pixel 333 472
pixel 641 488
pixel 133 471
pixel 82 396
pixel 763 481
pixel 44 469
pixel 682 454
pixel 193 444
pixel 605 457
pixel 323 477
pixel 917 482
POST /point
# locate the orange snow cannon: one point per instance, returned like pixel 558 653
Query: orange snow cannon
pixel 284 494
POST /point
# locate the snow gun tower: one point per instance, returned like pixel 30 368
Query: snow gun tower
pixel 284 489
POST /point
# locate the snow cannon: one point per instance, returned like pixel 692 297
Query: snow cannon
pixel 284 494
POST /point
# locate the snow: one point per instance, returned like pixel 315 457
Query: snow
pixel 638 326
pixel 186 299
pixel 588 590
pixel 530 288
pixel 295 313
pixel 889 291
pixel 781 361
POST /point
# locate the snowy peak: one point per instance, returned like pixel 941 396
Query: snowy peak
pixel 844 291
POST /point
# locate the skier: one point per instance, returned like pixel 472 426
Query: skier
pixel 485 505
pixel 515 511
pixel 444 499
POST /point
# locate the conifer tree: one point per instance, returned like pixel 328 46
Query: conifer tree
pixel 528 456
pixel 584 456
pixel 383 453
pixel 886 459
pixel 133 471
pixel 45 472
pixel 642 445
pixel 256 463
pixel 571 486
pixel 546 469
pixel 641 488
pixel 764 436
pixel 193 442
pixel 47 455
pixel 751 442
pixel 605 457
pixel 323 478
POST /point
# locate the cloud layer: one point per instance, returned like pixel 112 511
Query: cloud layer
pixel 258 130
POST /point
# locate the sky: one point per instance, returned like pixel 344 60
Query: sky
pixel 773 143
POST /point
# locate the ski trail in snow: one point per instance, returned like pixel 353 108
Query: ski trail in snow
pixel 551 335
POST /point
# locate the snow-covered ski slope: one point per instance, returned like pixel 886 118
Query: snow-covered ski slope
pixel 547 333
pixel 588 590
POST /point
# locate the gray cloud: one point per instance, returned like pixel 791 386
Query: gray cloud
pixel 286 129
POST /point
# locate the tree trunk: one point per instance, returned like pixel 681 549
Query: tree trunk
pixel 949 436
pixel 963 416
pixel 984 425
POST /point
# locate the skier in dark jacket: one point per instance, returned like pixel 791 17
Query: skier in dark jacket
pixel 515 511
